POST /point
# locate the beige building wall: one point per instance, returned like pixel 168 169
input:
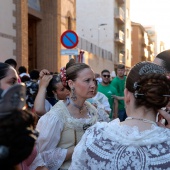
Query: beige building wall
pixel 55 16
pixel 98 22
pixel 140 44
pixel 47 25
pixel 95 22
pixel 136 54
pixel 96 30
pixel 97 63
pixel 67 18
pixel 7 30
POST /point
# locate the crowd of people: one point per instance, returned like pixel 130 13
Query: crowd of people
pixel 75 119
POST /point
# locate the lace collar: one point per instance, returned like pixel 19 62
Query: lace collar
pixel 131 135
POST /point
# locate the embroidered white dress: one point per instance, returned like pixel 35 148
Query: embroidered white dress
pixel 111 146
pixel 57 133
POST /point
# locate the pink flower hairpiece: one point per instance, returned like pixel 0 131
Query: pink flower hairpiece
pixel 63 76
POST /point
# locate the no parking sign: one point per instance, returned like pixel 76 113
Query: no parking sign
pixel 69 39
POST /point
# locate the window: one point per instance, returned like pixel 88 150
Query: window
pixel 69 23
pixel 34 4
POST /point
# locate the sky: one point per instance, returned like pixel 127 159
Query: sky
pixel 153 12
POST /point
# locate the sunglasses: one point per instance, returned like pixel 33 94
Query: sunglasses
pixel 108 76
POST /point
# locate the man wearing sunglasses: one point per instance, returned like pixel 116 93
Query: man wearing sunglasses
pixel 108 90
pixel 119 83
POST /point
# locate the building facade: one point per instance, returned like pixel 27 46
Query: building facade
pixel 142 44
pixel 31 31
pixel 122 37
pixel 7 30
pixel 159 45
pixel 105 30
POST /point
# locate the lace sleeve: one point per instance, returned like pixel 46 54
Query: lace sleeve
pixel 54 157
pixel 50 127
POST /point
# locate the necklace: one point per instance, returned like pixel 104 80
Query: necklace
pixel 140 119
pixel 77 106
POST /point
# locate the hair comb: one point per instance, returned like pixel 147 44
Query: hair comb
pixel 12 98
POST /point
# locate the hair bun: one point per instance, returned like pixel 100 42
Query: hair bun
pixel 70 63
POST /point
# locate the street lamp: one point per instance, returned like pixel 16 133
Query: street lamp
pixel 100 25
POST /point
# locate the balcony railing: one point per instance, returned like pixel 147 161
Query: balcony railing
pixel 119 15
pixel 120 37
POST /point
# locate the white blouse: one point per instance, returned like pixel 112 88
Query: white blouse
pixel 107 146
pixel 50 127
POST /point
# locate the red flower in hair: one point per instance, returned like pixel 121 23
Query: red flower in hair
pixel 63 76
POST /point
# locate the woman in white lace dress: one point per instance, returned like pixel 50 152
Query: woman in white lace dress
pixel 136 143
pixel 63 126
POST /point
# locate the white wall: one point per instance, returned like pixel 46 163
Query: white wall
pixel 92 13
pixel 128 37
pixel 7 45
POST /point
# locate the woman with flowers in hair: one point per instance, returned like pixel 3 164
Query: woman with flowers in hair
pixel 138 142
pixel 50 91
pixel 63 126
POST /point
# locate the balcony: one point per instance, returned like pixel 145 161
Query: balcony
pixel 120 1
pixel 119 15
pixel 120 37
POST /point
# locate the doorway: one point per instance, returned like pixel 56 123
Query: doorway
pixel 32 42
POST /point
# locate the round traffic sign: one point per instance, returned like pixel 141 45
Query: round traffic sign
pixel 69 39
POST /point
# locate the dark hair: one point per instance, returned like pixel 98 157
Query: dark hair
pixel 120 66
pixel 165 57
pixel 11 62
pixel 34 74
pixel 4 69
pixel 97 75
pixel 25 78
pixel 52 85
pixel 22 69
pixel 148 82
pixel 17 136
pixel 105 71
pixel 71 61
pixel 73 69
